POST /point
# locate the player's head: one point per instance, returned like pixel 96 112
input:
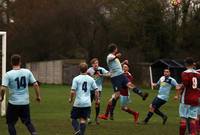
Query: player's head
pixel 15 60
pixel 189 62
pixel 83 67
pixel 95 63
pixel 166 72
pixel 112 48
pixel 125 67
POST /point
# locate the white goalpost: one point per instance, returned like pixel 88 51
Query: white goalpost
pixel 3 70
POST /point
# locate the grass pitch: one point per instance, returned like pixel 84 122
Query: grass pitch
pixel 52 115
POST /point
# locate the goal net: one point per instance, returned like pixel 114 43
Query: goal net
pixel 3 67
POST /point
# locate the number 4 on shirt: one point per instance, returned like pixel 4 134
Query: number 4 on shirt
pixel 84 86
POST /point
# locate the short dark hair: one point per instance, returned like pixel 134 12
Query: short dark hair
pixel 189 61
pixel 93 60
pixel 83 67
pixel 15 59
pixel 126 65
pixel 112 47
pixel 167 68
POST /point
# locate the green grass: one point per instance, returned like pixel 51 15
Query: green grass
pixel 52 115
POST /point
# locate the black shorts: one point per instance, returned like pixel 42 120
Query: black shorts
pixel 80 112
pixel 157 103
pixel 92 95
pixel 18 111
pixel 119 82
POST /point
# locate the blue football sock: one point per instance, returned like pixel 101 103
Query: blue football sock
pixel 11 129
pixel 75 125
pixel 82 128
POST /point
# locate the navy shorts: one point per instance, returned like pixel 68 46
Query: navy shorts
pixel 119 82
pixel 18 111
pixel 92 95
pixel 157 103
pixel 80 112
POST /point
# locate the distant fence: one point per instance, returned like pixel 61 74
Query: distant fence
pixel 56 71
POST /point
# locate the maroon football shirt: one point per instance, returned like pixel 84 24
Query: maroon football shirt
pixel 191 92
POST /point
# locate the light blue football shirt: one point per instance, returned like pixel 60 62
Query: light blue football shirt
pixel 114 65
pixel 165 83
pixel 98 79
pixel 82 85
pixel 17 81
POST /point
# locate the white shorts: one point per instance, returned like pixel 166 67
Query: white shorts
pixel 188 111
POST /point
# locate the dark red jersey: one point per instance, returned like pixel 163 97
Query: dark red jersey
pixel 124 91
pixel 191 92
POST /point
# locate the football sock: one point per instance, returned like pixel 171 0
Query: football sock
pixel 193 127
pixel 182 128
pixel 138 91
pixel 97 111
pixel 114 101
pixel 82 128
pixel 158 112
pixel 128 110
pixel 11 129
pixel 198 125
pixel 31 128
pixel 149 115
pixel 108 109
pixel 75 124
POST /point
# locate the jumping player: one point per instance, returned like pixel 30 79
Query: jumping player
pixel 165 84
pixel 81 87
pixel 98 73
pixel 118 79
pixel 124 98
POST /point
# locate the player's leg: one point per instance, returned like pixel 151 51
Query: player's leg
pixel 75 113
pixel 107 112
pixel 192 126
pixel 124 107
pixel 92 96
pixel 26 119
pixel 113 104
pixel 83 117
pixel 117 83
pixel 198 121
pixel 138 91
pixel 152 107
pixel 192 116
pixel 11 118
pixel 149 114
pixel 183 112
pixel 157 106
pixel 97 109
pixel 183 125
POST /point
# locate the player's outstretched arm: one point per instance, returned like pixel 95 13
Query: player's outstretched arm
pixel 37 91
pixel 2 93
pixel 124 62
pixel 106 74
